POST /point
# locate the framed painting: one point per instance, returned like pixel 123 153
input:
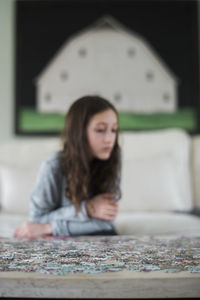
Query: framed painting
pixel 143 56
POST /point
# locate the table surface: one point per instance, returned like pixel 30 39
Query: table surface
pixel 101 267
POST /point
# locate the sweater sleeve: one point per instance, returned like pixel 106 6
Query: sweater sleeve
pixel 45 206
pixel 45 199
pixel 64 227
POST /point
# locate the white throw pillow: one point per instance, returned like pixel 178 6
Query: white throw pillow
pixel 177 142
pixel 150 184
pixel 16 184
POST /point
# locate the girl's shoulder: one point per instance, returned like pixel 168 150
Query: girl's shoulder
pixel 53 161
pixel 53 158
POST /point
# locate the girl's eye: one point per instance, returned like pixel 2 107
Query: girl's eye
pixel 103 130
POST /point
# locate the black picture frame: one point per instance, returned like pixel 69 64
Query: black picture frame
pixel 42 26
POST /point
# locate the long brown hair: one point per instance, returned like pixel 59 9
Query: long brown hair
pixel 86 178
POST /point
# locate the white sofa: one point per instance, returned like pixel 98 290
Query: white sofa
pixel 160 182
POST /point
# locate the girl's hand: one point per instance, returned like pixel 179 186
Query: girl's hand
pixel 102 207
pixel 32 230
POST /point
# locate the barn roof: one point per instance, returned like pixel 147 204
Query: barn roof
pixel 108 22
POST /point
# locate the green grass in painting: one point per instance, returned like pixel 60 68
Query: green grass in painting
pixel 184 118
pixel 31 120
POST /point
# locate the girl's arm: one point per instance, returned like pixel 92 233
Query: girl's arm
pixel 46 201
pixel 63 227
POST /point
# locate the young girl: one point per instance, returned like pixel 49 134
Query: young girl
pixel 76 189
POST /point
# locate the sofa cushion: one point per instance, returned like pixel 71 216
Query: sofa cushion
pixel 196 170
pixel 150 184
pixel 138 149
pixel 157 223
pixel 16 183
pixel 27 151
pixel 19 164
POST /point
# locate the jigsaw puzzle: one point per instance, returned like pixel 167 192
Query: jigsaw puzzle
pixel 98 254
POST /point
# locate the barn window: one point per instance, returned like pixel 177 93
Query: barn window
pixel 64 75
pixel 47 97
pixel 131 52
pixel 166 97
pixel 150 75
pixel 117 97
pixel 82 52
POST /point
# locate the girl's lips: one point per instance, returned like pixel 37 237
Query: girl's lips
pixel 107 149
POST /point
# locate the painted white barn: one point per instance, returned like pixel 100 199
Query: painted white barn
pixel 107 59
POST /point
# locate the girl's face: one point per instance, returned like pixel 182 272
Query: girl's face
pixel 101 133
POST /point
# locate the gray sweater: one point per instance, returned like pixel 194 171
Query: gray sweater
pixel 49 205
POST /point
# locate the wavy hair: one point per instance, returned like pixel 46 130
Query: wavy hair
pixel 86 178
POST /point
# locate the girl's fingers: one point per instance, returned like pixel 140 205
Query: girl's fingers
pixel 17 232
pixel 110 217
pixel 110 206
pixel 111 211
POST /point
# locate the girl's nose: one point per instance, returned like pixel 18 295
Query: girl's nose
pixel 108 137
